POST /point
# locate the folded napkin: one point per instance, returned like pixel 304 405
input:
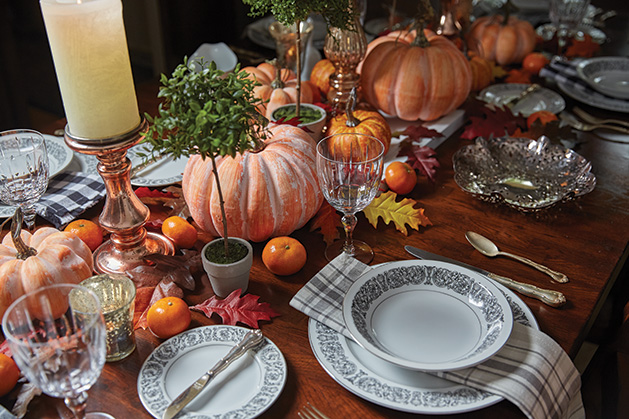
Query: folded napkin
pixel 68 195
pixel 565 71
pixel 531 370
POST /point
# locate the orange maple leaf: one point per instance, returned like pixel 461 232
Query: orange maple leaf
pixel 582 48
pixel 329 221
pixel 401 213
pixel 518 76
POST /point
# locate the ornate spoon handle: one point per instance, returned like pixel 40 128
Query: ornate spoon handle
pixel 557 276
pixel 549 297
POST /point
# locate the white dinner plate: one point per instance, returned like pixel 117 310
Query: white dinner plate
pixel 427 315
pixel 598 101
pixel 161 173
pixel 59 157
pixel 246 389
pixel 540 100
pixel 388 385
pixel 608 75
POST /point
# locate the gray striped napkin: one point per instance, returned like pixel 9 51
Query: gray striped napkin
pixel 531 370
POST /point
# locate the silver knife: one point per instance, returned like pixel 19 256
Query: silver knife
pixel 251 339
pixel 550 297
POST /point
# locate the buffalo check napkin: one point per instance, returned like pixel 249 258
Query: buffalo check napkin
pixel 531 370
pixel 68 195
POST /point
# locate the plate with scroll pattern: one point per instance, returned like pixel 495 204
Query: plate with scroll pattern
pixel 388 385
pixel 540 100
pixel 246 389
pixel 427 315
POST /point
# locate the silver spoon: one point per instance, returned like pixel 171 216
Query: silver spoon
pixel 488 248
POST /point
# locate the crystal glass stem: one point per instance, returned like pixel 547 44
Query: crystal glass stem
pixel 349 223
pixel 77 405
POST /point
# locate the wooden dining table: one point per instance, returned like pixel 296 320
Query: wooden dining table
pixel 587 239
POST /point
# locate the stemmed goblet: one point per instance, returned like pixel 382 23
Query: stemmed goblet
pixel 565 16
pixel 23 170
pixel 57 336
pixel 349 167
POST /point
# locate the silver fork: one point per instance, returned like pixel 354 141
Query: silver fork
pixel 594 120
pixel 581 126
pixel 308 411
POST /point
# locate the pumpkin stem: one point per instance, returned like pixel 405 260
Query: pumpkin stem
pixel 506 10
pixel 23 251
pixel 221 202
pixel 277 82
pixel 425 16
pixel 352 121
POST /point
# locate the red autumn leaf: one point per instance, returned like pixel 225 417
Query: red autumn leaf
pixel 325 106
pixel 496 122
pixel 294 121
pixel 582 48
pixel 145 192
pixel 518 76
pixel 422 158
pixel 236 308
pixel 329 221
pixel 417 132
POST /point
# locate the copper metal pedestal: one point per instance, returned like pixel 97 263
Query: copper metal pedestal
pixel 123 215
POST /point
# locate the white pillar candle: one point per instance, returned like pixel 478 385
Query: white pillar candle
pixel 89 48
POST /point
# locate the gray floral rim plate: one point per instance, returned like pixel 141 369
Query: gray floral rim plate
pixel 388 385
pixel 246 389
pixel 529 175
pixel 427 315
pixel 540 100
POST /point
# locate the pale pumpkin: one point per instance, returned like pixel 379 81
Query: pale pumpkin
pixel 270 192
pixel 503 40
pixel 55 257
pixel 424 79
pixel 277 87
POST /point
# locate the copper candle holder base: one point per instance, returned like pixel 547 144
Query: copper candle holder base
pixel 123 215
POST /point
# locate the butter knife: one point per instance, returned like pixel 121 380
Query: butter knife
pixel 251 339
pixel 549 297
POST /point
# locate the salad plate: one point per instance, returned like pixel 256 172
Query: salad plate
pixel 394 387
pixel 540 100
pixel 427 315
pixel 246 389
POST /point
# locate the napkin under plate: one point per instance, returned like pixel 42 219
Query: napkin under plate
pixel 531 370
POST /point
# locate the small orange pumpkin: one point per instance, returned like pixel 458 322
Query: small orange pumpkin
pixel 482 75
pixel 277 86
pixel 30 261
pixel 320 75
pixel 504 39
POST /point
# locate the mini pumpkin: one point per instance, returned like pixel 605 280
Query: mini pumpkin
pixel 482 73
pixel 320 75
pixel 30 261
pixel 277 87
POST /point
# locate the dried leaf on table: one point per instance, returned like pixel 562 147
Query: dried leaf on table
pixel 417 132
pixel 585 48
pixel 401 213
pixel 28 392
pixel 518 76
pixel 488 121
pixel 328 221
pixel 236 308
pixel 422 158
pixel 153 196
pixel 497 71
pixel 171 197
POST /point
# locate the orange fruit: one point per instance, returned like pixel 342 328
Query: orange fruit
pixel 168 316
pixel 543 116
pixel 400 177
pixel 9 374
pixel 534 62
pixel 180 231
pixel 88 231
pixel 284 255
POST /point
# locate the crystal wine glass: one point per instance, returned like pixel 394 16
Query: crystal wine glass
pixel 349 167
pixel 565 16
pixel 57 336
pixel 23 170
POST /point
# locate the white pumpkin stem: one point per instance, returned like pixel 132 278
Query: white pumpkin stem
pixel 23 251
pixel 221 202
pixel 352 121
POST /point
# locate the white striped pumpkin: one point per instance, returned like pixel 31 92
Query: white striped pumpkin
pixel 267 193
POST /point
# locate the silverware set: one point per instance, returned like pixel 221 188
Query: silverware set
pixel 590 122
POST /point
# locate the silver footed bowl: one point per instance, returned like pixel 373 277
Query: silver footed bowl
pixel 529 175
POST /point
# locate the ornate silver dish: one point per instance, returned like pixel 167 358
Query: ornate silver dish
pixel 526 174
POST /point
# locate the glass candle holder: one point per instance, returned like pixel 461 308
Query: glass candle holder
pixel 117 297
pixel 286 42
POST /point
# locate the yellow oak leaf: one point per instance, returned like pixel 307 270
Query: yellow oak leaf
pixel 497 71
pixel 329 221
pixel 401 213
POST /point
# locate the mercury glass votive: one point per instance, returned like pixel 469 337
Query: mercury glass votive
pixel 117 297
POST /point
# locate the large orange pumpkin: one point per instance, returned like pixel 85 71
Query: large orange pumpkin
pixel 55 257
pixel 423 79
pixel 267 193
pixel 278 87
pixel 505 41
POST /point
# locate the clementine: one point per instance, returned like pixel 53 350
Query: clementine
pixel 284 255
pixel 534 62
pixel 168 316
pixel 88 231
pixel 9 374
pixel 180 231
pixel 400 177
pixel 543 116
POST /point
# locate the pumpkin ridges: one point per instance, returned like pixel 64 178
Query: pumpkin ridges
pixel 68 240
pixel 195 175
pixel 73 269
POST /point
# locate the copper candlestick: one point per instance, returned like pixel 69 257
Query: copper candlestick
pixel 123 215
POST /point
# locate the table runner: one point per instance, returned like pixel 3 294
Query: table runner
pixel 531 370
